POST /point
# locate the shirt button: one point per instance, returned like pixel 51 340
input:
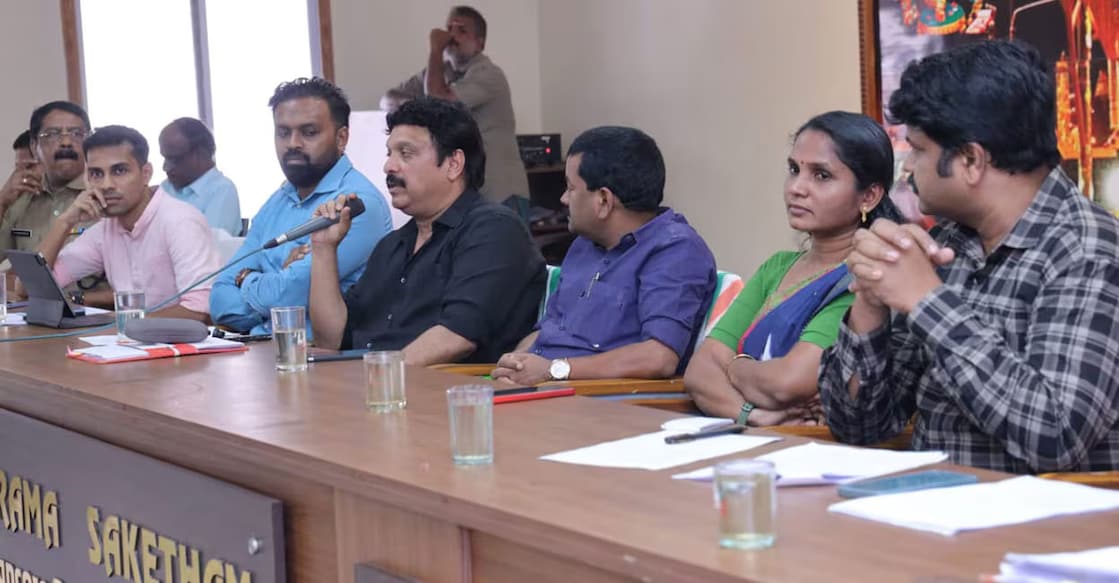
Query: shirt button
pixel 403 279
pixel 389 318
pixel 57 212
pixel 595 346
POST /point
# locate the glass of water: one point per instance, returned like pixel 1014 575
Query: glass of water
pixel 384 381
pixel 289 331
pixel 471 412
pixel 746 497
pixel 129 306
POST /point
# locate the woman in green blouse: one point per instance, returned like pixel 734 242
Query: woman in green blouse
pixel 759 364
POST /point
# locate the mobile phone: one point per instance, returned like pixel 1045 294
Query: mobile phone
pixel 906 483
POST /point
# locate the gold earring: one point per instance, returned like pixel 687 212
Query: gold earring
pixel 864 215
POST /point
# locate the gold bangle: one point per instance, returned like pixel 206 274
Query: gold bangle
pixel 736 357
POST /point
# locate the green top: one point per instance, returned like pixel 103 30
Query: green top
pixel 822 330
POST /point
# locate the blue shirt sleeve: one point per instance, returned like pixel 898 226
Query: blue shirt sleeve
pixel 224 209
pixel 676 285
pixel 250 305
pixel 226 306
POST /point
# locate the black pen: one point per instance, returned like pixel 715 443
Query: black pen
pixel 343 355
pixel 728 429
pixel 514 391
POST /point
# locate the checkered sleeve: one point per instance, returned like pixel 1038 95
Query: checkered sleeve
pixel 884 401
pixel 1050 405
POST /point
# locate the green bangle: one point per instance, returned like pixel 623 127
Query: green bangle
pixel 744 413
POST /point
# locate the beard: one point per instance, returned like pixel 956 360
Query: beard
pixel 308 173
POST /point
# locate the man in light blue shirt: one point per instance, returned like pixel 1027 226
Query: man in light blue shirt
pixel 187 147
pixel 311 117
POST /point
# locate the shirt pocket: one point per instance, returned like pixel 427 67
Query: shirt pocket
pixel 604 313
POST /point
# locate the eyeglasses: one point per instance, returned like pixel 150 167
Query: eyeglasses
pixel 55 134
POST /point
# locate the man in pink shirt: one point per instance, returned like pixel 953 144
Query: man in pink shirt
pixel 145 241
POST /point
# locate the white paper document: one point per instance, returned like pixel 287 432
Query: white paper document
pixel 948 511
pixel 650 452
pixel 15 319
pixel 816 463
pixel 102 340
pixel 1094 566
pixel 113 351
pixel 693 424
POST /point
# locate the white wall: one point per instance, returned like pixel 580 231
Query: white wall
pixel 33 65
pixel 379 43
pixel 720 84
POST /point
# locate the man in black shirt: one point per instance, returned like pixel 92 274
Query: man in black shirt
pixel 460 282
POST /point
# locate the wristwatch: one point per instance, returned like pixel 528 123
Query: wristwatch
pixel 560 369
pixel 237 281
pixel 77 297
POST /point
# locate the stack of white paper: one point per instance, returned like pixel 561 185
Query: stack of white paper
pixel 815 463
pixel 15 319
pixel 1095 566
pixel 650 452
pixel 948 511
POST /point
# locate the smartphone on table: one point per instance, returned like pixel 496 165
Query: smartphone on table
pixel 925 480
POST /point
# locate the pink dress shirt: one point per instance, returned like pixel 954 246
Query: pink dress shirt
pixel 169 248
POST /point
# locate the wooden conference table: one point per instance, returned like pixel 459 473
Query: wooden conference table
pixel 360 487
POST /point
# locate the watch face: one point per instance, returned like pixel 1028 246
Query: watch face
pixel 560 369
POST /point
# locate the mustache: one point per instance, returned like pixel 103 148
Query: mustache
pixel 392 180
pixel 66 154
pixel 297 155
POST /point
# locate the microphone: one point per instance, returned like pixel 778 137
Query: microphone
pixel 316 224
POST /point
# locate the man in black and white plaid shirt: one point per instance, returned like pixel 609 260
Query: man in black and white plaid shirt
pixel 1000 330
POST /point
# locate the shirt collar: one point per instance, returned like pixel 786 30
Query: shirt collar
pixel 75 185
pixel 145 219
pixel 475 60
pixel 664 216
pixel 199 184
pixel 1031 226
pixel 330 183
pixel 456 213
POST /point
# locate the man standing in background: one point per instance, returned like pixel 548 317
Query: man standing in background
pixel 458 71
pixel 187 147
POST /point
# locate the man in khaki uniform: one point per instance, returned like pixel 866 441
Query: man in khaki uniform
pixel 38 191
pixel 458 71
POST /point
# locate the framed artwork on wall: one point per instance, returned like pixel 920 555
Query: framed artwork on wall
pixel 1079 39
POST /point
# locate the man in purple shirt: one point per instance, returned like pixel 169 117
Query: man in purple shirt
pixel 636 283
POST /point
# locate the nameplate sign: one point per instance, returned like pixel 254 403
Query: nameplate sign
pixel 74 509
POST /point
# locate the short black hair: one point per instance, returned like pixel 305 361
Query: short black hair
pixel 998 94
pixel 471 13
pixel 451 127
pixel 115 136
pixel 41 112
pixel 196 134
pixel 864 147
pixel 625 160
pixel 23 141
pixel 314 87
